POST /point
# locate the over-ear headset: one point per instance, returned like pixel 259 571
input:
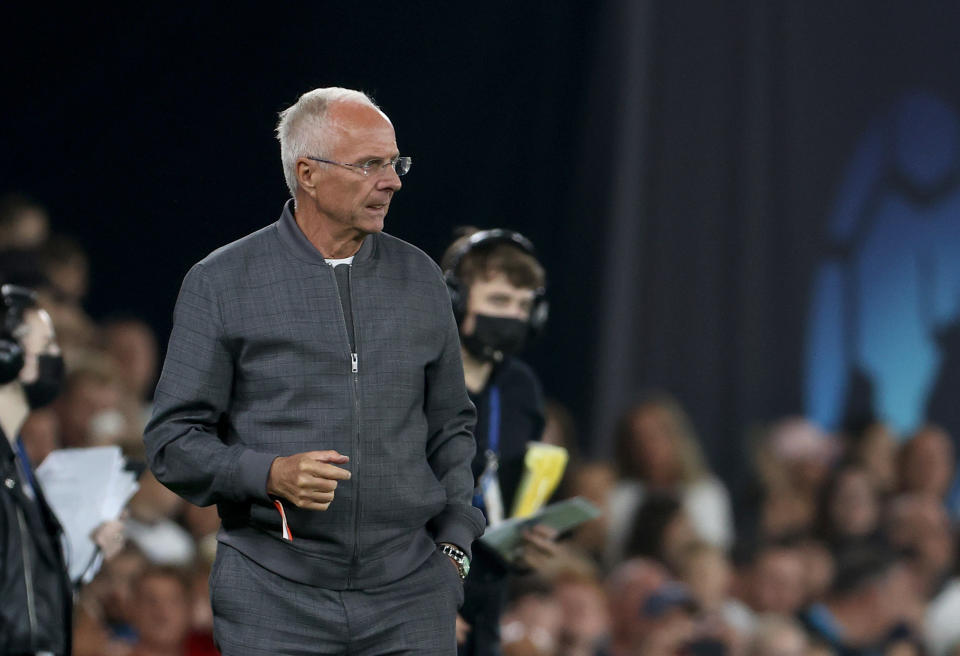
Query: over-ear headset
pixel 15 300
pixel 486 239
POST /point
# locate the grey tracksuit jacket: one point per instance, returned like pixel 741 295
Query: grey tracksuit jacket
pixel 260 364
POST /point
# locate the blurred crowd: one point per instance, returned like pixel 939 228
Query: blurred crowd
pixel 839 543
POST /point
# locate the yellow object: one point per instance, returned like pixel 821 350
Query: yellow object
pixel 543 467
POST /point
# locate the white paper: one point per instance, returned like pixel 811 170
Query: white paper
pixel 85 487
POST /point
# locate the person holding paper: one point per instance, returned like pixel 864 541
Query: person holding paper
pixel 313 389
pixel 497 288
pixel 35 613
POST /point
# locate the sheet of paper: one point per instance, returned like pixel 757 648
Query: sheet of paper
pixel 85 487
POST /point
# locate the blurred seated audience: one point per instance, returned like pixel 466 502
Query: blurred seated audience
pixel 657 451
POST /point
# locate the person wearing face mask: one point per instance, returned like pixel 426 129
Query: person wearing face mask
pixel 497 288
pixel 36 593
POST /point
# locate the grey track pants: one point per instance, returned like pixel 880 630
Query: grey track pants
pixel 256 612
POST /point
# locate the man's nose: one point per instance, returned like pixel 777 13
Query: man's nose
pixel 389 180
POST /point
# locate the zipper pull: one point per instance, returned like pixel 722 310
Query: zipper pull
pixel 353 363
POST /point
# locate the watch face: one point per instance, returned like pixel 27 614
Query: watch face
pixel 465 566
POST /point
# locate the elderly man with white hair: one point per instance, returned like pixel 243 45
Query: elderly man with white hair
pixel 313 389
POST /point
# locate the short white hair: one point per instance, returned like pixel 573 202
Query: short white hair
pixel 304 129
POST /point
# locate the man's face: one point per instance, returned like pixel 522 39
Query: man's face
pixel 496 297
pixel 37 338
pixel 161 611
pixel 350 201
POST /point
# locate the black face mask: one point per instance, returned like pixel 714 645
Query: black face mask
pixel 49 380
pixel 494 338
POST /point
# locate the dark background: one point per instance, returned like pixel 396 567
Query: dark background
pixel 675 162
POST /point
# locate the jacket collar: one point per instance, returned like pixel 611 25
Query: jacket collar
pixel 294 239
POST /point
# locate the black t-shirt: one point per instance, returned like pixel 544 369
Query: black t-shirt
pixel 521 421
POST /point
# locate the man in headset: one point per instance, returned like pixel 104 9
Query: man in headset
pixel 497 288
pixel 35 591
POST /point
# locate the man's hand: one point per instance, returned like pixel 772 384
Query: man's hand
pixel 463 630
pixel 308 480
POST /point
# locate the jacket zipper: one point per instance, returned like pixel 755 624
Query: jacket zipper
pixel 28 577
pixel 355 370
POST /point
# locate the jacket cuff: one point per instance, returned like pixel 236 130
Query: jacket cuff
pixel 460 526
pixel 254 469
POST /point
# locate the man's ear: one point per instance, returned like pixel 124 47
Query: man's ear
pixel 306 173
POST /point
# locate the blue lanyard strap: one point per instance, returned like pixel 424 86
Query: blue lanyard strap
pixel 30 481
pixel 493 421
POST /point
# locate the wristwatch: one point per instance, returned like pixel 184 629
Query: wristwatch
pixel 459 557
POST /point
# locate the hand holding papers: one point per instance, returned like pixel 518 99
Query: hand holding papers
pixel 506 538
pixel 85 487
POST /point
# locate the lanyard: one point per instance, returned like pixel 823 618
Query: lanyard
pixel 493 421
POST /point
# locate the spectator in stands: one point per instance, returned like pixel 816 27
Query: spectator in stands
pixel 628 587
pixel 152 526
pixel 595 482
pixel 774 580
pixel 874 447
pixel 918 526
pixel 941 629
pixel 778 635
pixel 793 461
pixel 585 618
pixel 707 573
pixel 103 622
pixel 532 620
pixel 40 435
pixel 661 530
pixel 870 607
pixel 92 389
pixel 849 507
pixel 658 451
pixel 67 267
pixel 161 612
pixel 927 465
pixel 24 224
pixel 133 347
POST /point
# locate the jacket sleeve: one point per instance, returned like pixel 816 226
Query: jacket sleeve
pixel 183 447
pixel 450 444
